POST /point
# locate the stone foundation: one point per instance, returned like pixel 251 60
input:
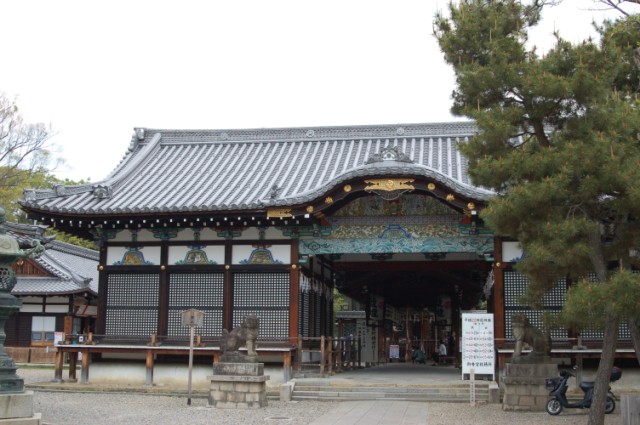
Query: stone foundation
pixel 18 409
pixel 238 386
pixel 524 386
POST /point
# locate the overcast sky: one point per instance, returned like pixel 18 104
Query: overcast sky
pixel 95 70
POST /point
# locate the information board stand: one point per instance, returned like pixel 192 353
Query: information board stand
pixel 477 343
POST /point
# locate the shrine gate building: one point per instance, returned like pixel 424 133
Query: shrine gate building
pixel 272 222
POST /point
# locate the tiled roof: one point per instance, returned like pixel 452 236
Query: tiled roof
pixel 168 171
pixel 25 234
pixel 73 269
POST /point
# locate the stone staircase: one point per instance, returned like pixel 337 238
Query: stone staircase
pixel 457 393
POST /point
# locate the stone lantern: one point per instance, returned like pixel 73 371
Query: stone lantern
pixel 10 252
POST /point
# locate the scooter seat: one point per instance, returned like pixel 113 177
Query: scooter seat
pixel 587 385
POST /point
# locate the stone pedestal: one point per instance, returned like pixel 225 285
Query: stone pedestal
pixel 17 409
pixel 524 386
pixel 238 386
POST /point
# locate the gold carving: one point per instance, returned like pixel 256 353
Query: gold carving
pixel 389 185
pixel 279 212
pixel 328 200
pixel 347 188
pixel 471 206
pixel 450 197
pixel 310 209
pixel 431 186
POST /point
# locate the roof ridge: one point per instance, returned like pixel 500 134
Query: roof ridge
pixel 77 250
pixel 324 133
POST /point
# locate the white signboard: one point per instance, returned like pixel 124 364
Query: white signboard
pixel 394 351
pixel 478 352
pixel 368 342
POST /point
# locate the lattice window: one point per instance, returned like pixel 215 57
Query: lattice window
pixel 305 311
pixel 267 296
pixel 317 299
pixel 132 304
pixel 202 291
pixel 303 320
pixel 515 285
pixel 535 319
pixel 623 333
pixel 623 329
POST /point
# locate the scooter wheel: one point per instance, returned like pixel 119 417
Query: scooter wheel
pixel 610 405
pixel 553 406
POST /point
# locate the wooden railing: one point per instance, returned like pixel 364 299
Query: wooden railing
pixel 327 355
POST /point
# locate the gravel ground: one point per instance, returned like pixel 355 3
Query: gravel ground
pixel 59 408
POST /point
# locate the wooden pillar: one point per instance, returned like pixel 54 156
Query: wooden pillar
pixel 163 293
pixel 498 290
pixel 149 365
pixel 57 375
pixel 103 289
pixel 330 355
pixel 322 355
pixel 84 372
pixel 299 354
pixel 286 366
pixel 227 290
pixel 73 364
pixel 294 292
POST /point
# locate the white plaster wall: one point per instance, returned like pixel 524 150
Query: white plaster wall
pixel 511 251
pixel 166 375
pixel 57 308
pixel 253 233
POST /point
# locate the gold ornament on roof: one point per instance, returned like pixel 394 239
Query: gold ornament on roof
pixel 471 206
pixel 389 185
pixel 431 186
pixel 279 212
pixel 450 197
pixel 347 188
pixel 328 200
pixel 310 209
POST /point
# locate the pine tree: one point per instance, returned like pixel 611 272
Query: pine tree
pixel 559 141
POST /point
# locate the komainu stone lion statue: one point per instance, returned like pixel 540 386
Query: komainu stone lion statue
pixel 246 333
pixel 525 333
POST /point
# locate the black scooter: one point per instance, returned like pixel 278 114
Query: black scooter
pixel 558 393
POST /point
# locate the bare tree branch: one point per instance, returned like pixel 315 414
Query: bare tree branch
pixel 24 147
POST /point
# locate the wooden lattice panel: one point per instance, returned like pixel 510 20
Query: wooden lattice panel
pixel 132 304
pixel 202 291
pixel 303 323
pixel 265 295
pixel 515 285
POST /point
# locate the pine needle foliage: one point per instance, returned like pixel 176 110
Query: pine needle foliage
pixel 559 141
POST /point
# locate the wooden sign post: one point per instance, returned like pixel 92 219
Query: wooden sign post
pixel 191 318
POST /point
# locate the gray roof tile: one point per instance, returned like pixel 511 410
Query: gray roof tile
pixel 73 269
pixel 223 170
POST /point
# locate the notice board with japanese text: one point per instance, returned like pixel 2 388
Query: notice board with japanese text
pixel 477 343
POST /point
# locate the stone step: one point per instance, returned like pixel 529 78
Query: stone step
pixel 441 394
